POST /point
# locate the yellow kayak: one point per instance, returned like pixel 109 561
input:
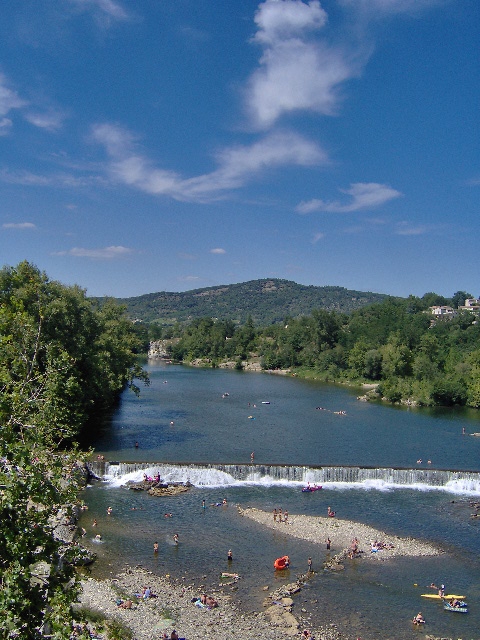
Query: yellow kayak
pixel 435 596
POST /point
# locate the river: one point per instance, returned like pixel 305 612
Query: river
pixel 193 423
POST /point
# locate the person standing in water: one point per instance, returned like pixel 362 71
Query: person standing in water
pixel 175 538
pixel 155 547
pixel 229 555
pixel 310 565
pixel 329 542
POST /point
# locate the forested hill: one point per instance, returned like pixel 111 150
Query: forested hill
pixel 267 301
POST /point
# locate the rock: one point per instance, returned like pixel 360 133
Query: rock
pixel 169 491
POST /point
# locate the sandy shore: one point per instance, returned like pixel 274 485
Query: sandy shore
pixel 341 533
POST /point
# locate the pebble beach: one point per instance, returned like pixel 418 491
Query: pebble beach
pixel 281 617
pixel 341 532
pixel 172 608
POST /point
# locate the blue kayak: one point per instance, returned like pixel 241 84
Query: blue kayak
pixel 461 608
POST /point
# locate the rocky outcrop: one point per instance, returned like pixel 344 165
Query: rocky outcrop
pixel 160 489
pixel 160 348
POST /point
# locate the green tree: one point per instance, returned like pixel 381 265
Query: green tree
pixel 60 361
pixel 459 297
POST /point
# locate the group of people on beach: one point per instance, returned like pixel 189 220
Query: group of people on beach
pixel 378 546
pixel 280 516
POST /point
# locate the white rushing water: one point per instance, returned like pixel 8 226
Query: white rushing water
pixel 340 478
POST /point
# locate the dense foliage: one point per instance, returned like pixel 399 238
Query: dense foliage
pixel 396 344
pixel 61 361
pixel 266 301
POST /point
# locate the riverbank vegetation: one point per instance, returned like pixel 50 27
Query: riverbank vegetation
pixel 397 346
pixel 63 360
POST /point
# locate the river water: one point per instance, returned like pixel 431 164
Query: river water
pixel 191 422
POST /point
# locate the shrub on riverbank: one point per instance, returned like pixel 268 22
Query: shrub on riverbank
pixel 61 360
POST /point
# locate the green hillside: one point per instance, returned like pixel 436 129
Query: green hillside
pixel 267 301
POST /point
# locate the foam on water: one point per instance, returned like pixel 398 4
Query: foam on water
pixel 333 478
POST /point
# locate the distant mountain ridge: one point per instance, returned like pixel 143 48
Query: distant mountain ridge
pixel 267 301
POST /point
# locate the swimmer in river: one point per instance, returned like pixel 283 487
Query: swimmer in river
pixel 418 619
pixel 175 538
pixel 155 547
pixel 109 510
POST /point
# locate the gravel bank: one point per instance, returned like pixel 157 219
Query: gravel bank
pixel 174 609
pixel 341 533
pixel 279 620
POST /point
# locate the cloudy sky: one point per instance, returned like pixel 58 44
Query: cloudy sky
pixel 168 145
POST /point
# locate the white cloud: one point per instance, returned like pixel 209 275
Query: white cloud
pixel 18 225
pixel 473 182
pixel 5 126
pixel 295 72
pixel 286 19
pixel 378 8
pixel 9 99
pixel 317 236
pixel 218 251
pixel 365 195
pixel 106 253
pixel 51 121
pixel 65 180
pixel 188 278
pixel 236 165
pixel 406 229
pixel 108 9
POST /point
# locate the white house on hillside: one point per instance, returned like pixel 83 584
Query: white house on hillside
pixel 443 311
pixel 471 304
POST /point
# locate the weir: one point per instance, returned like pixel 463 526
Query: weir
pixel 223 474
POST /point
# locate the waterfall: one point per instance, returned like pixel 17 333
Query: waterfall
pixel 119 473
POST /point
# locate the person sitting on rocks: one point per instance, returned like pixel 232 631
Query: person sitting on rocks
pixel 211 602
pixel 174 635
pixel 125 604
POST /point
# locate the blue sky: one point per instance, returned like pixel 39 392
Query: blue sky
pixel 168 145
